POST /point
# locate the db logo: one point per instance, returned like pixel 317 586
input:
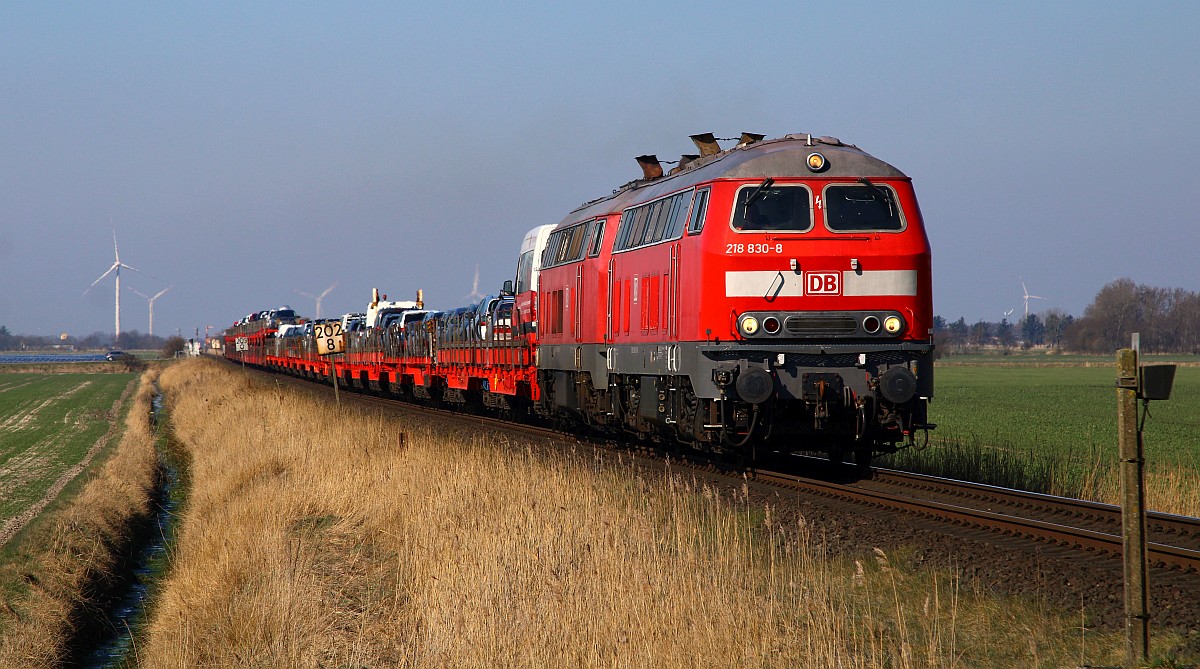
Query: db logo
pixel 822 283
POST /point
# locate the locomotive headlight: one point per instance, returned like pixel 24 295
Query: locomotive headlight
pixel 817 163
pixel 893 324
pixel 748 325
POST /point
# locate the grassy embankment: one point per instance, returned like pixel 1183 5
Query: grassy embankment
pixel 51 570
pixel 1053 429
pixel 324 537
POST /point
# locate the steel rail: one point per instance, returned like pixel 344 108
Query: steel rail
pixel 1162 555
pixel 1157 522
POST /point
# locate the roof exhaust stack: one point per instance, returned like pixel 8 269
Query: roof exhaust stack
pixel 683 162
pixel 706 143
pixel 749 138
pixel 651 168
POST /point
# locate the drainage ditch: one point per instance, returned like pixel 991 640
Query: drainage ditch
pixel 109 639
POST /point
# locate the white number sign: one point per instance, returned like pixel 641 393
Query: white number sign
pixel 330 338
pixel 242 344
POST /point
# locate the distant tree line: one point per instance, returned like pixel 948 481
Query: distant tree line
pixel 1168 320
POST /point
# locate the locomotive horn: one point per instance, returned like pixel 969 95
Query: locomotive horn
pixel 707 144
pixel 651 169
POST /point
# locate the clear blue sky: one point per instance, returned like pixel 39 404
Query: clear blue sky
pixel 244 151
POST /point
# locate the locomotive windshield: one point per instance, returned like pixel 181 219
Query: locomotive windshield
pixel 858 208
pixel 765 208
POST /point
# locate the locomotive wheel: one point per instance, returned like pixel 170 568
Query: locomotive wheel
pixel 862 420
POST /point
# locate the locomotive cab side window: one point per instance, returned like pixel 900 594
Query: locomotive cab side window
pixel 763 208
pixel 862 207
pixel 699 209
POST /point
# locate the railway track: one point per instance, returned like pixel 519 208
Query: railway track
pixel 1173 542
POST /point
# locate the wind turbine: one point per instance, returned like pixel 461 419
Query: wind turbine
pixel 318 298
pixel 1028 297
pixel 1009 313
pixel 116 267
pixel 475 294
pixel 151 300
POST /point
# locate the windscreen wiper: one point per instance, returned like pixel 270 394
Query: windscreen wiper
pixel 758 192
pixel 879 191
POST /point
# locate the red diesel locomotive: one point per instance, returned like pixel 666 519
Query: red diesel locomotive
pixel 773 295
pixel 777 293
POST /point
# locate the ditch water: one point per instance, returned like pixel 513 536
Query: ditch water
pixel 115 636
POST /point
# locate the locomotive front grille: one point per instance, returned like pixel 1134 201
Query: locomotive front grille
pixel 820 325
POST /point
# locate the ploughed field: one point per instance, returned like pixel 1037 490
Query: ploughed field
pixel 48 425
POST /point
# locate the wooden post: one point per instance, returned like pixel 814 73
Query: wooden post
pixel 333 375
pixel 1133 512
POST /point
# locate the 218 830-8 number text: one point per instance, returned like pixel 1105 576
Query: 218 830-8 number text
pixel 734 249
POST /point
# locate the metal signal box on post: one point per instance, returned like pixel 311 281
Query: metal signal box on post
pixel 1134 382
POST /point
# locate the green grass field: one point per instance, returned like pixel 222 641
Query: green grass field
pixel 47 424
pixel 1052 429
pixel 1061 409
pixel 1042 358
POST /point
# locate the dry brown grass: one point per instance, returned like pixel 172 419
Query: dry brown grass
pixel 66 553
pixel 1171 487
pixel 315 537
pixel 1168 490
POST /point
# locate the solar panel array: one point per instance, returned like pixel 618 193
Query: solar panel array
pixel 27 358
